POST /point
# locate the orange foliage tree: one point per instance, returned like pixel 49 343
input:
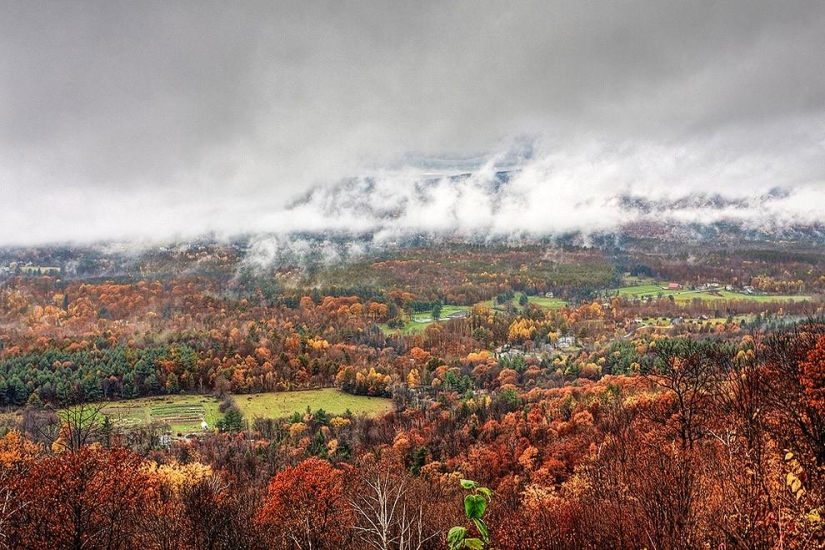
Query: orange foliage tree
pixel 91 498
pixel 305 507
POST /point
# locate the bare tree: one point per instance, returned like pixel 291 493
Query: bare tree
pixel 41 424
pixel 385 519
pixel 81 424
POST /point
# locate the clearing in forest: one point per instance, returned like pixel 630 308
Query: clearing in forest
pixel 687 295
pixel 185 413
pixel 281 404
pixel 420 321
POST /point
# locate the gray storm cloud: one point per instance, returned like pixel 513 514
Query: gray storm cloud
pixel 157 120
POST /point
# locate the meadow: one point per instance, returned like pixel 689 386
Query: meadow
pixel 185 413
pixel 281 404
pixel 547 303
pixel 541 301
pixel 653 290
pixel 420 321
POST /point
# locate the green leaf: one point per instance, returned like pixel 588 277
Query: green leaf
pixel 486 492
pixel 475 506
pixel 482 528
pixel 474 544
pixel 468 484
pixel 456 536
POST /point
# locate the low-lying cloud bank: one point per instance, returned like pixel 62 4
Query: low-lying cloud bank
pixel 591 187
pixel 155 122
pixel 594 191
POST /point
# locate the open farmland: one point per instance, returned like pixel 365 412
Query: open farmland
pixel 541 301
pixel 420 321
pixel 686 295
pixel 648 289
pixel 725 295
pixel 280 404
pixel 184 413
pixel 547 303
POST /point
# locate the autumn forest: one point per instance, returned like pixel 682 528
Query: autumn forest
pixel 541 395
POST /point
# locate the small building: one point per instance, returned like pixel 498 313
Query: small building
pixel 566 342
pixel 509 354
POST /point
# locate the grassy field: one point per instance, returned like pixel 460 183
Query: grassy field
pixel 687 296
pixel 653 290
pixel 280 404
pixel 638 290
pixel 420 321
pixel 408 329
pixel 547 303
pixel 184 413
pixel 667 321
pixel 541 301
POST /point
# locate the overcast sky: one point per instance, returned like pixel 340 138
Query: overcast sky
pixel 163 119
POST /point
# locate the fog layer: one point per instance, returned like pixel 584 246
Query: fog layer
pixel 158 120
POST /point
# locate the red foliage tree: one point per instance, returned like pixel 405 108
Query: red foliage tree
pixel 91 498
pixel 305 507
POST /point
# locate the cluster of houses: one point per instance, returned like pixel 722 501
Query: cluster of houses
pixel 28 268
pixel 710 287
pixel 509 351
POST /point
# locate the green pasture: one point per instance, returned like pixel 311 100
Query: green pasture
pixel 667 321
pixel 546 303
pixel 648 289
pixel 685 295
pixel 184 413
pixel 631 280
pixel 410 328
pixel 541 301
pixel 763 298
pixel 281 404
pixel 420 321
pixel 728 296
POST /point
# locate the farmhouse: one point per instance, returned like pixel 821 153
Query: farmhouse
pixel 566 342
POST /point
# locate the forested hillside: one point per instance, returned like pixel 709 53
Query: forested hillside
pixel 606 400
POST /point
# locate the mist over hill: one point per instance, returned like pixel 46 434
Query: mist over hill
pixel 150 123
